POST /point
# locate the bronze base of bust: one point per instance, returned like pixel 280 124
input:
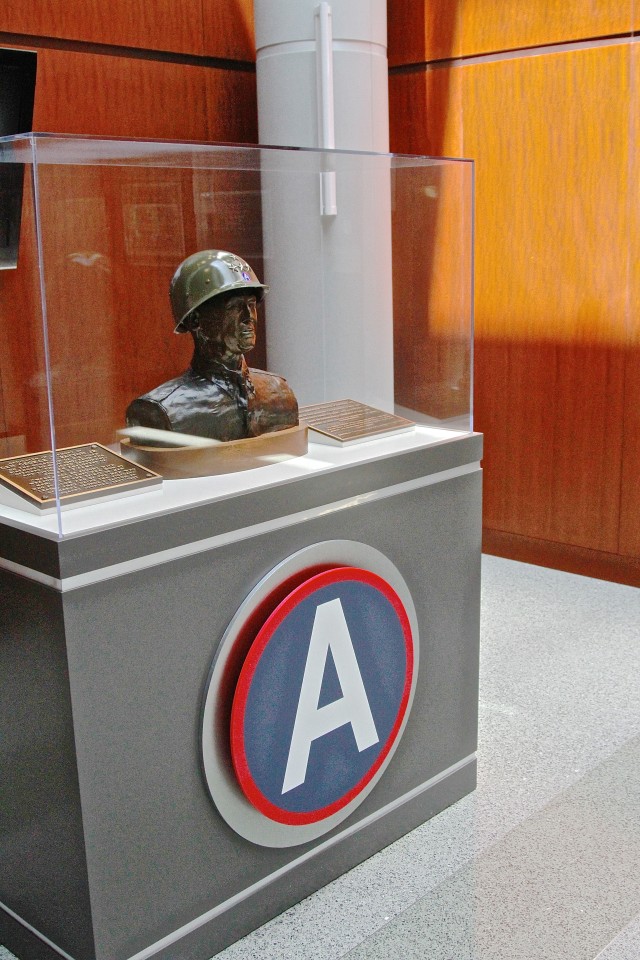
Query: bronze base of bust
pixel 178 463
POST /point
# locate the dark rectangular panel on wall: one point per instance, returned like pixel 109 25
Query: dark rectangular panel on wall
pixel 441 29
pixel 172 25
pixel 17 92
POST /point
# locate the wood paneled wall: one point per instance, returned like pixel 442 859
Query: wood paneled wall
pixel 196 27
pixel 424 31
pixel 165 69
pixel 89 93
pixel 174 69
pixel 553 130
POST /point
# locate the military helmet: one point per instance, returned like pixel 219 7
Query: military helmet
pixel 205 275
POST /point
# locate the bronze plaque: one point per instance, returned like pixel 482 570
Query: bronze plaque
pixel 86 471
pixel 347 421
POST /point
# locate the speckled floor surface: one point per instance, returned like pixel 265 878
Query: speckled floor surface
pixel 543 860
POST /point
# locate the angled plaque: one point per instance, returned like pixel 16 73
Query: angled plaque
pixel 84 472
pixel 341 422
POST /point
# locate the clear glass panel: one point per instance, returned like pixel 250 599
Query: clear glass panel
pixel 368 259
pixel 25 411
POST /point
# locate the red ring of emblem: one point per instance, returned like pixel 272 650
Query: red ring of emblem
pixel 249 787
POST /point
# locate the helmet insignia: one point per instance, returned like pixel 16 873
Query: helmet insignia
pixel 237 265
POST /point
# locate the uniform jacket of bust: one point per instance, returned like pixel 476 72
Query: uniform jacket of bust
pixel 214 401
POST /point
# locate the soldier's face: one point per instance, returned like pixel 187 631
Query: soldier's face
pixel 232 322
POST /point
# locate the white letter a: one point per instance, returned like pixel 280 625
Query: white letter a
pixel 330 631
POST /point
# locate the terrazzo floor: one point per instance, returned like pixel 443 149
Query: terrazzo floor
pixel 543 859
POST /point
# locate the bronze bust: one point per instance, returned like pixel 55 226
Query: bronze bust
pixel 214 297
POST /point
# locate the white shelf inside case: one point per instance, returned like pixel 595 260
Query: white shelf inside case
pixel 175 495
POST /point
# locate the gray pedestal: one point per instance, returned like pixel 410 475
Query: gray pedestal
pixel 110 845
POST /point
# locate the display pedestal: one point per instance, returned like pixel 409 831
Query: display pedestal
pixel 110 846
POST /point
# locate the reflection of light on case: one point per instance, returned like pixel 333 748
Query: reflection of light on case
pixel 201 457
pixel 223 214
pixel 153 220
pixel 166 438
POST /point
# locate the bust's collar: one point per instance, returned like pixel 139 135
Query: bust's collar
pixel 215 370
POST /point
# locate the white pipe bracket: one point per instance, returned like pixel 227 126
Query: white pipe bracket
pixel 325 100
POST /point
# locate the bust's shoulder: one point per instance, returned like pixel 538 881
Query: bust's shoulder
pixel 275 404
pixel 162 393
pixel 170 402
pixel 267 377
pixel 189 403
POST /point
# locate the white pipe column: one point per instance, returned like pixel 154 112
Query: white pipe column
pixel 322 82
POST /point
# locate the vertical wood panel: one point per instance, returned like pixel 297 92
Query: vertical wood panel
pixel 432 232
pixel 229 29
pixel 514 407
pixel 172 25
pixel 408 101
pixel 551 286
pixel 86 93
pixel 510 24
pixel 438 96
pixel 114 339
pixel 552 266
pixel 232 112
pixel 77 222
pixel 552 269
pixel 630 506
pixel 431 355
pixel 551 414
pixel 418 31
pixel 553 222
pixel 440 29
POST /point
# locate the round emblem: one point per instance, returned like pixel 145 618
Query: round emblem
pixel 321 696
pixel 309 693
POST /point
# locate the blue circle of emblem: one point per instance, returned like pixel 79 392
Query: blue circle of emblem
pixel 322 695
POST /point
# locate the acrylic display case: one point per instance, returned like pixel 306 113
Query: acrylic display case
pixel 370 301
pixel 137 617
